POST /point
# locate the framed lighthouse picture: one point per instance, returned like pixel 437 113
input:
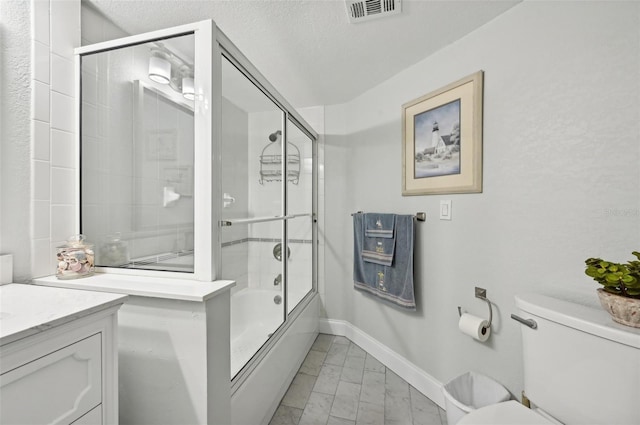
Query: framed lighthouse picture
pixel 442 140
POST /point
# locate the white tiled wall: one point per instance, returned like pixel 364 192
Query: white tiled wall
pixel 235 183
pixel 265 199
pixel 55 32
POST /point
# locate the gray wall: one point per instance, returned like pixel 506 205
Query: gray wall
pixel 561 180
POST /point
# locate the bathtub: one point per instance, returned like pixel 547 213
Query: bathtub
pixel 255 316
pixel 263 383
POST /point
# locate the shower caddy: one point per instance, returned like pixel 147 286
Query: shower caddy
pixel 271 163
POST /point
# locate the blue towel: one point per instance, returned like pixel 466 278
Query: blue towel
pixel 379 225
pixel 378 251
pixel 392 283
pixel 379 242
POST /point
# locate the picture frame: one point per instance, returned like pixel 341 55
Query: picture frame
pixel 442 140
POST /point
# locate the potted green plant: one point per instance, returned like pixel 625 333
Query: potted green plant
pixel 620 294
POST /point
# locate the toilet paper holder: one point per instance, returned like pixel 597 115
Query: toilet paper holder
pixel 482 294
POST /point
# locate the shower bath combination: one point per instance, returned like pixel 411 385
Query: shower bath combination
pixel 174 210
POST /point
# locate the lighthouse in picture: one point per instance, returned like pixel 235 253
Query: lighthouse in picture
pixel 437 143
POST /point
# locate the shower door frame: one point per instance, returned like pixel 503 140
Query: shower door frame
pixel 207 118
pixel 289 114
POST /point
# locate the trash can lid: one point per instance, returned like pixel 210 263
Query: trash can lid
pixel 505 413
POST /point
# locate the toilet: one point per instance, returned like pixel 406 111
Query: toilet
pixel 580 367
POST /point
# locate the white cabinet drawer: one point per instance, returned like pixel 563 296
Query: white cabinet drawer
pixel 92 418
pixel 57 388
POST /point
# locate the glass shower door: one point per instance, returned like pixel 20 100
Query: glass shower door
pixel 252 213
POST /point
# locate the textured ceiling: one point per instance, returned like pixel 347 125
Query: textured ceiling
pixel 307 49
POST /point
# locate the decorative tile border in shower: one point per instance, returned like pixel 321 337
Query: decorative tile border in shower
pixel 236 242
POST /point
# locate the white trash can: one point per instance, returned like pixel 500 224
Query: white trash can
pixel 471 391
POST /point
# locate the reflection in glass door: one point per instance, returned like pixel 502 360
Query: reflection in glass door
pixel 137 154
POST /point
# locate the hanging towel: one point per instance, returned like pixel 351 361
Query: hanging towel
pixel 392 283
pixel 379 242
pixel 378 251
pixel 379 225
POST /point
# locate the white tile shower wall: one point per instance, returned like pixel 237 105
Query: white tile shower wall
pixel 40 23
pixel 40 101
pixel 65 27
pixel 234 173
pixel 40 140
pixel 62 75
pixel 40 62
pixel 63 149
pixel 265 199
pixel 55 32
pixel 235 265
pixel 234 178
pixel 263 267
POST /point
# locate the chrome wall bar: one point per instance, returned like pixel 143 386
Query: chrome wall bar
pixel 224 223
pixel 420 216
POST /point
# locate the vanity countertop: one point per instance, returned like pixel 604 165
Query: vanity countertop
pixel 144 286
pixel 29 309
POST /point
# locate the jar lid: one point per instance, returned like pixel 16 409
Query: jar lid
pixel 75 241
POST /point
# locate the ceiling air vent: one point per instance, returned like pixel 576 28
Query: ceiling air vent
pixel 365 10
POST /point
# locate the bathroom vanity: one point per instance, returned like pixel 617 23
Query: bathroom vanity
pixel 58 358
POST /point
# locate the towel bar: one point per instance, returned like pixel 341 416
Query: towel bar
pixel 420 216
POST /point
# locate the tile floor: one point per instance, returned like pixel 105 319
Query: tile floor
pixel 340 384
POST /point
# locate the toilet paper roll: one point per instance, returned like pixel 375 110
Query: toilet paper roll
pixel 475 327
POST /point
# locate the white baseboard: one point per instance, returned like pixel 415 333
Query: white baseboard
pixel 418 378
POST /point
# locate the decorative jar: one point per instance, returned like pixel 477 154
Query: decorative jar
pixel 114 252
pixel 75 259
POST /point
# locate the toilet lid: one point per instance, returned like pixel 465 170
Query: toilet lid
pixel 508 413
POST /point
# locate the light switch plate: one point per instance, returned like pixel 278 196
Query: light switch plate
pixel 445 210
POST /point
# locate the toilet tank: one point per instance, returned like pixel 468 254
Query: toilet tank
pixel 579 365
